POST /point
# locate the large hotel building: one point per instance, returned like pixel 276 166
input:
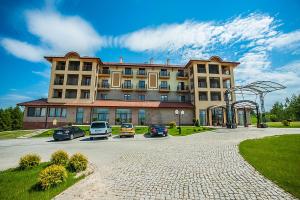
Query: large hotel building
pixel 85 89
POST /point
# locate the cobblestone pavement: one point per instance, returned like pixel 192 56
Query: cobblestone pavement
pixel 200 166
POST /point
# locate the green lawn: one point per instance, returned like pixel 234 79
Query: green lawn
pixel 13 134
pixel 280 125
pixel 277 158
pixel 17 184
pixel 188 130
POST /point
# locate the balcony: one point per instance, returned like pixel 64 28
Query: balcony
pixel 164 75
pixel 141 74
pixel 104 73
pixel 58 81
pixel 164 88
pixel 141 88
pixel 103 86
pixel 127 73
pixel 183 88
pixel 127 87
pixel 182 76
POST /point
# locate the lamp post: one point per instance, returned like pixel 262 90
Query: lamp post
pixel 179 113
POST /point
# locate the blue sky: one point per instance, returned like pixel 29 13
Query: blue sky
pixel 263 35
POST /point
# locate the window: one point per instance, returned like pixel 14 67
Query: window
pixel 99 114
pixel 215 96
pixel 142 117
pixel 164 85
pixel 164 98
pixel 141 71
pixel 127 84
pixel 214 82
pixel 127 97
pixel 225 70
pixel 201 68
pixel 60 65
pixel 36 112
pixel 164 72
pixel 101 96
pixel 202 82
pixel 59 79
pixel 74 65
pixel 227 83
pixel 213 69
pixel 105 70
pixel 71 94
pixel 105 84
pixel 86 80
pixel 57 93
pixel 128 71
pixel 123 116
pixel 202 96
pixel 72 79
pixel 142 84
pixel 87 66
pixel 85 94
pixel 142 97
pixel 181 98
pixel 57 112
pixel 202 117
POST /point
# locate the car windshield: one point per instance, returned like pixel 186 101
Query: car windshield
pixel 98 125
pixel 126 126
pixel 158 126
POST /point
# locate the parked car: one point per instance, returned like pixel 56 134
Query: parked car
pixel 158 130
pixel 67 132
pixel 127 129
pixel 100 129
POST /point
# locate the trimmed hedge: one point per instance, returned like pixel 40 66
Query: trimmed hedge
pixel 60 157
pixel 78 162
pixel 29 161
pixel 52 176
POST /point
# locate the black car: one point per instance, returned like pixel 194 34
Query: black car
pixel 158 130
pixel 68 132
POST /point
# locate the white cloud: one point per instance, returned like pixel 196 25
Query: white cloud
pixel 23 50
pixel 45 73
pixel 57 34
pixel 286 40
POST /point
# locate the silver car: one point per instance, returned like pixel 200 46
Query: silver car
pixel 100 129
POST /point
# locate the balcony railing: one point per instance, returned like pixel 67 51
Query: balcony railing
pixel 103 86
pixel 164 74
pixel 127 86
pixel 141 87
pixel 86 82
pixel 127 73
pixel 182 75
pixel 104 72
pixel 183 88
pixel 165 88
pixel 58 81
pixel 72 82
pixel 141 73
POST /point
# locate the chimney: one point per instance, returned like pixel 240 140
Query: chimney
pixel 121 59
pixel 168 61
pixel 151 60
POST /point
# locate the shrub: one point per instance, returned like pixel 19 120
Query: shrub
pixel 60 157
pixel 52 176
pixel 29 161
pixel 285 123
pixel 78 162
pixel 197 123
pixel 172 124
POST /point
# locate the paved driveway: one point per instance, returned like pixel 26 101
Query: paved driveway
pixel 200 166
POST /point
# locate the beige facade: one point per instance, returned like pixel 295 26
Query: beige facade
pixel 83 89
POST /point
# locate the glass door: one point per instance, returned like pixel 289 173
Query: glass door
pixel 79 115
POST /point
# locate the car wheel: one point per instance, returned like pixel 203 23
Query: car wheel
pixel 71 137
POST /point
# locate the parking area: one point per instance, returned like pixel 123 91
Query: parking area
pixel 199 166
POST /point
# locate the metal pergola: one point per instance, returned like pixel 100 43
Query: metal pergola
pixel 258 88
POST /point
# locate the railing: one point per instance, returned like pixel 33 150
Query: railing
pixel 103 85
pixel 104 71
pixel 127 73
pixel 59 82
pixel 72 82
pixel 141 87
pixel 182 88
pixel 141 73
pixel 164 74
pixel 86 82
pixel 164 87
pixel 182 75
pixel 127 86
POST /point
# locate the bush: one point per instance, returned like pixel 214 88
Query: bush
pixel 60 157
pixel 285 123
pixel 172 124
pixel 197 123
pixel 78 162
pixel 29 161
pixel 52 176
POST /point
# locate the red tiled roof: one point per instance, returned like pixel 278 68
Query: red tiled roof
pixel 112 103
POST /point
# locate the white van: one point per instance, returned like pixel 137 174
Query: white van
pixel 100 129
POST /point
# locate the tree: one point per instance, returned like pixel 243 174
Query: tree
pixel 17 118
pixel 5 120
